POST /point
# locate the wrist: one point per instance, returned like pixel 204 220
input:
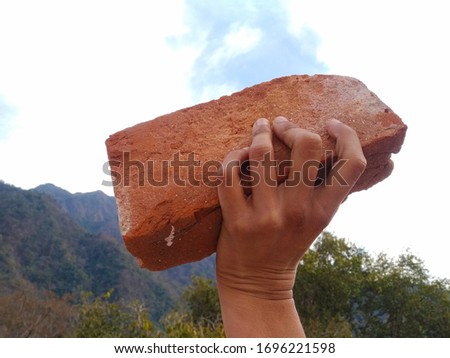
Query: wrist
pixel 250 314
pixel 266 284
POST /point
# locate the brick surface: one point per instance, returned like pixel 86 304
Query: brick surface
pixel 168 225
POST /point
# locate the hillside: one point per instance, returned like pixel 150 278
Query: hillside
pixel 97 213
pixel 68 243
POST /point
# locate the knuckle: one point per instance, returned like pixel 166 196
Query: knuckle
pixel 259 151
pixel 239 226
pixel 228 167
pixel 308 216
pixel 296 214
pixel 261 130
pixel 312 139
pixel 308 141
pixel 286 126
pixel 270 220
pixel 349 129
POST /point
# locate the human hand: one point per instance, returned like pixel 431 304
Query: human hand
pixel 265 235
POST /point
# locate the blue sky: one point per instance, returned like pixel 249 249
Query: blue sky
pixel 74 72
pixel 243 45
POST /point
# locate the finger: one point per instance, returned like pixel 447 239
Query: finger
pixel 349 167
pixel 231 194
pixel 306 152
pixel 262 165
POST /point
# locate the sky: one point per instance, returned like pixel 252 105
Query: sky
pixel 74 72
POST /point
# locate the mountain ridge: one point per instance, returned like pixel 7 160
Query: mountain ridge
pixel 72 203
pixel 95 211
pixel 58 241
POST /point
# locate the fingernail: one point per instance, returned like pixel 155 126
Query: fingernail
pixel 262 122
pixel 281 119
pixel 334 120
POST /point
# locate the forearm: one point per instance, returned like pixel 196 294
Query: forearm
pixel 248 316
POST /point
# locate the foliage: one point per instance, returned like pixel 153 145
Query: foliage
pixel 335 327
pixel 202 300
pixel 181 325
pixel 328 279
pixel 341 290
pixel 29 313
pixel 401 300
pixel 98 317
pixel 201 316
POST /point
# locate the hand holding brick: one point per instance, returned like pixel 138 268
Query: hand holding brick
pixel 164 169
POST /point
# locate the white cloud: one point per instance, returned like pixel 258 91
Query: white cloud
pixel 241 39
pixel 238 41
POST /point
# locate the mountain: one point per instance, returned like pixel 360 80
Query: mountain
pixel 96 211
pixel 66 243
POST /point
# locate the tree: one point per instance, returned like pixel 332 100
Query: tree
pixel 202 300
pixel 98 317
pixel 328 280
pixel 342 291
pixel 199 315
pixel 401 300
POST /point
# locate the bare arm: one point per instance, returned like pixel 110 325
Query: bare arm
pixel 265 235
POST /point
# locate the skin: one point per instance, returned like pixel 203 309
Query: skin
pixel 265 234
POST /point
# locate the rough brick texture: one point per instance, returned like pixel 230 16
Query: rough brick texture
pixel 168 225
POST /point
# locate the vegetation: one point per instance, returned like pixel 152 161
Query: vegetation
pixel 32 313
pixel 342 291
pixel 98 317
pixel 59 279
pixel 199 315
pixel 43 246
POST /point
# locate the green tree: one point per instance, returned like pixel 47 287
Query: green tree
pixel 98 317
pixel 199 315
pixel 328 280
pixel 202 300
pixel 401 300
pixel 342 291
